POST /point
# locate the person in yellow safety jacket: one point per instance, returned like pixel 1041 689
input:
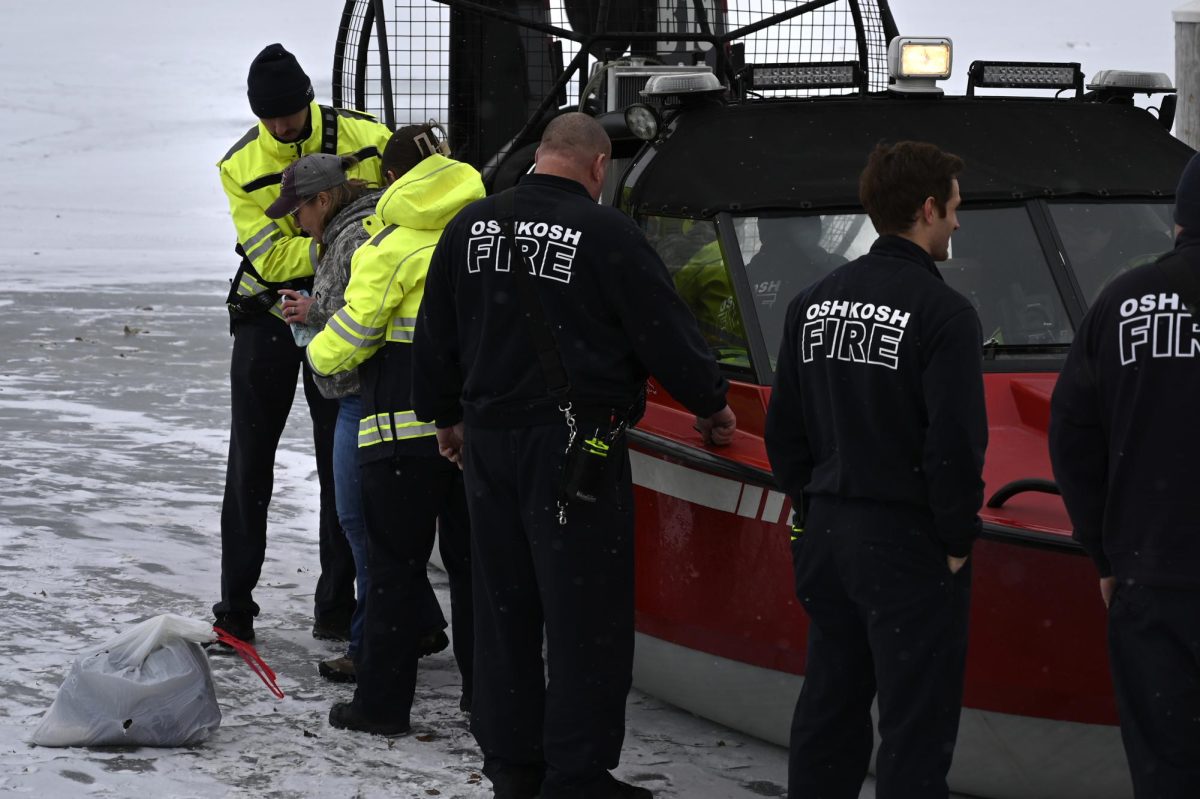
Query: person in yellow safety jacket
pixel 407 487
pixel 265 360
pixel 703 283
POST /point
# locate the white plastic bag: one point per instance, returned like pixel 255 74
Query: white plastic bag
pixel 149 686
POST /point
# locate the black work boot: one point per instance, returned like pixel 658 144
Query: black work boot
pixel 516 782
pixel 345 716
pixel 339 669
pixel 331 629
pixel 609 787
pixel 237 623
pixel 622 790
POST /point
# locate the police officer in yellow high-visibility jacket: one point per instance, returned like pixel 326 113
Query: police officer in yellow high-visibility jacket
pixel 406 485
pixel 265 358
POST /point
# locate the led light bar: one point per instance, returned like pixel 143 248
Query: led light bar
pixel 826 75
pixel 915 62
pixel 1137 82
pixel 1024 75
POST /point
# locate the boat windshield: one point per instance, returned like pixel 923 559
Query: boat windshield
pixel 996 262
pixel 700 269
pixel 1103 240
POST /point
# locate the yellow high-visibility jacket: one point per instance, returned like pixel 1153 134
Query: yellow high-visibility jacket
pixel 374 329
pixel 250 175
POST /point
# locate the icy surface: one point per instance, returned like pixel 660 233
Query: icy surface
pixel 114 396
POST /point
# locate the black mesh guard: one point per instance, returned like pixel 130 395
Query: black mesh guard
pixel 508 56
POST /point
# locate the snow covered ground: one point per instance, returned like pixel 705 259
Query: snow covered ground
pixel 113 399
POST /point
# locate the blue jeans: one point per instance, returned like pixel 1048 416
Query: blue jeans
pixel 348 489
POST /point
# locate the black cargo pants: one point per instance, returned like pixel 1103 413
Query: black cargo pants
pixel 407 499
pixel 1154 648
pixel 575 582
pixel 887 617
pixel 262 378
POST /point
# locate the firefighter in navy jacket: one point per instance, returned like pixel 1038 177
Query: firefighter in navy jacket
pixel 615 317
pixel 876 430
pixel 1124 433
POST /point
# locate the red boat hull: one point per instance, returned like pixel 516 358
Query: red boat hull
pixel 721 633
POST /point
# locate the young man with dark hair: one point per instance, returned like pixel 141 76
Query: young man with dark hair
pixel 266 361
pixel 1124 432
pixel 876 431
pixel 899 178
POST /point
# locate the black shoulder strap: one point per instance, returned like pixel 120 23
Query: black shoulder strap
pixel 329 130
pixel 1183 279
pixel 555 374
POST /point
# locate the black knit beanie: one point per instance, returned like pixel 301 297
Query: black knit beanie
pixel 1187 197
pixel 277 86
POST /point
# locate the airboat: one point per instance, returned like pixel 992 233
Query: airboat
pixel 739 129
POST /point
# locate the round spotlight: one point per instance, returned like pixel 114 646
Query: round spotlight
pixel 642 121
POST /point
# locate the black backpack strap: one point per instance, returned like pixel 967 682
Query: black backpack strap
pixel 1183 278
pixel 329 130
pixel 539 329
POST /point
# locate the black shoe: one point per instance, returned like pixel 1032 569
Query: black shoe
pixel 517 782
pixel 344 716
pixel 331 630
pixel 339 669
pixel 623 790
pixel 239 624
pixel 432 643
pixel 613 788
pixel 609 787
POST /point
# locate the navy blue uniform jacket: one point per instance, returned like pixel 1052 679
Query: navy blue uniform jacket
pixel 879 392
pixel 606 294
pixel 1125 428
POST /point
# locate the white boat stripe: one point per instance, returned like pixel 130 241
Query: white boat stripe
pixel 751 499
pixel 680 482
pixel 773 507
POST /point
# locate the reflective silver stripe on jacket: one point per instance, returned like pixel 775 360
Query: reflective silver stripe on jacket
pixel 381 427
pixel 402 330
pixel 262 242
pixel 352 332
pixel 249 286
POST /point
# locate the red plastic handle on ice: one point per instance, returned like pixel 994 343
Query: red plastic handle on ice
pixel 250 655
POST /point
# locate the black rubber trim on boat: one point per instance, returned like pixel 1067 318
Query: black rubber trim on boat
pixel 709 462
pixel 724 467
pixel 1031 538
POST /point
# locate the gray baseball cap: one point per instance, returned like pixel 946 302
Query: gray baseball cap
pixel 304 179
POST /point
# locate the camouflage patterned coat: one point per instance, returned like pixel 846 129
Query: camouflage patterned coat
pixel 342 237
